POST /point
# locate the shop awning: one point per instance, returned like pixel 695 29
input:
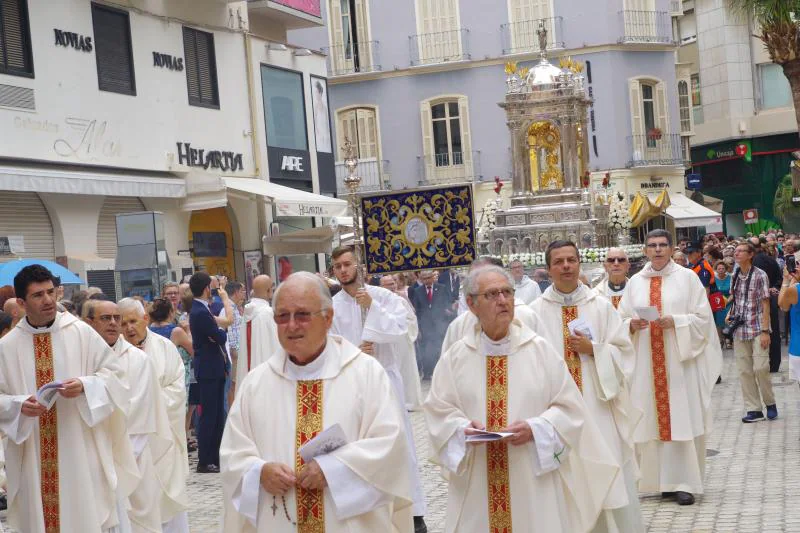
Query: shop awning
pixel 41 178
pixel 687 213
pixel 308 241
pixel 290 202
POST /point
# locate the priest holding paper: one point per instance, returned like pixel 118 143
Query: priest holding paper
pixel 678 360
pixel 315 382
pixel 259 338
pixel 552 474
pixel 68 466
pixel 172 467
pixel 600 358
pixel 147 421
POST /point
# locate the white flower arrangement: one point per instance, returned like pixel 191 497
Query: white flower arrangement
pixel 618 217
pixel 488 222
pixel 587 255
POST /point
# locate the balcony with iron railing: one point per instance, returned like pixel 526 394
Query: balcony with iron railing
pixel 439 47
pixel 521 37
pixel 353 58
pixel 645 27
pixel 450 168
pixel 375 175
pixel 655 149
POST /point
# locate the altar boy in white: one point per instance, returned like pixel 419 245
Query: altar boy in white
pixel 600 358
pixel 68 466
pixel 549 475
pixel 259 339
pixel 313 382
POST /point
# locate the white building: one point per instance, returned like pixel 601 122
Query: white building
pixel 132 105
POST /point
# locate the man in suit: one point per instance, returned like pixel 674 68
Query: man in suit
pixel 434 308
pixel 208 341
pixel 451 283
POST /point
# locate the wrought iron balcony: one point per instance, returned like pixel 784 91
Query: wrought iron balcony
pixel 450 168
pixel 649 27
pixel 374 175
pixel 439 47
pixel 353 58
pixel 521 37
pixel 655 149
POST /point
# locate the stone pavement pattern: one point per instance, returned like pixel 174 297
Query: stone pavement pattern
pixel 751 476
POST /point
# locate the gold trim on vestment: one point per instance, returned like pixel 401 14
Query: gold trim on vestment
pixel 659 359
pixel 310 503
pixel 568 314
pixel 497 452
pixel 48 437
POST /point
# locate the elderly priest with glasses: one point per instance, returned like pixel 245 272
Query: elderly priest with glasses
pixel 612 286
pixel 510 426
pixel 315 440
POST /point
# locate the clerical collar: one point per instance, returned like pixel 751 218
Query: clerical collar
pixel 140 344
pixel 568 298
pixel 307 372
pixel 617 288
pixel 490 347
pixel 46 326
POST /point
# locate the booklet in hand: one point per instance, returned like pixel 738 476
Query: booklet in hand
pixel 486 436
pixel 649 313
pixel 324 443
pixel 48 393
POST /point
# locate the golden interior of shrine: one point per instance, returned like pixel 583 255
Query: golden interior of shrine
pixel 544 143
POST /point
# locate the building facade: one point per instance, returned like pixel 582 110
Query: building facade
pixel 193 109
pixel 740 107
pixel 415 85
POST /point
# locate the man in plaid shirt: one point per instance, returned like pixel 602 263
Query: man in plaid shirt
pixel 750 289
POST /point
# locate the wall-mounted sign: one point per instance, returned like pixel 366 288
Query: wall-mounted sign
pixel 289 164
pixel 199 157
pixel 292 163
pixel 167 61
pixel 694 181
pixel 654 184
pixel 12 244
pixel 742 149
pixel 71 39
pixel 750 216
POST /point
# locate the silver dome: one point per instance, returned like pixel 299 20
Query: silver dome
pixel 544 74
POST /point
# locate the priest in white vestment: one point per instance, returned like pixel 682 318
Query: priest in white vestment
pixel 549 475
pixel 409 372
pixel 68 466
pixel 382 334
pixel 599 355
pixel 612 286
pixel 258 336
pixel 468 322
pixel 172 467
pixel 484 260
pixel 315 382
pixel 147 421
pixel 526 290
pixel 678 360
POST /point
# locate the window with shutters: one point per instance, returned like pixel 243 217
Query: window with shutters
pixel 439 32
pixel 15 39
pixel 446 139
pixel 113 50
pixel 526 18
pixel 650 140
pixel 360 126
pixel 351 50
pixel 201 68
pixel 684 107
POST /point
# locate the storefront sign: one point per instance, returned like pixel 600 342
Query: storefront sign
pixel 167 61
pixel 74 40
pixel 292 163
pixel 654 184
pixel 742 149
pixel 199 157
pixel 694 181
pixel 12 244
pixel 750 216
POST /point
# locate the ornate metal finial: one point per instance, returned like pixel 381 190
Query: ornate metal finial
pixel 542 33
pixel 350 162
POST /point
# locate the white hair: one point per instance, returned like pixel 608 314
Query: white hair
pixel 306 278
pixel 615 249
pixel 471 283
pixel 127 305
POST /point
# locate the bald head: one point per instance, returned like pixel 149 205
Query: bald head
pixel 16 311
pixel 262 287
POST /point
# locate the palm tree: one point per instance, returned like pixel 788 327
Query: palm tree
pixel 779 33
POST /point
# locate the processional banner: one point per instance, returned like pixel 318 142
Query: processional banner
pixel 418 230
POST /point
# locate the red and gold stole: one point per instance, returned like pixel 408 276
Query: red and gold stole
pixel 48 436
pixel 310 503
pixel 568 314
pixel 659 360
pixel 615 301
pixel 249 340
pixel 497 452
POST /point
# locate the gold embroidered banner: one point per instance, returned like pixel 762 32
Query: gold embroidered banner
pixel 497 452
pixel 659 361
pixel 48 437
pixel 310 503
pixel 418 230
pixel 568 314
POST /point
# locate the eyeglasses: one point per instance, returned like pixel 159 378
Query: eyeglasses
pixel 616 259
pixel 109 318
pixel 494 294
pixel 656 245
pixel 301 317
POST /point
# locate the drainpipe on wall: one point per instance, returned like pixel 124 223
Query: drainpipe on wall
pixel 753 66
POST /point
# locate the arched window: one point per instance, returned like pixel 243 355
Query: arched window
pixel 683 105
pixel 360 126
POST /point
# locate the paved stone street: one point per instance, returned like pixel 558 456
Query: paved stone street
pixel 745 492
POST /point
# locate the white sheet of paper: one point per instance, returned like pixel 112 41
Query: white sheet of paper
pixel 649 313
pixel 325 442
pixel 487 436
pixel 48 393
pixel 581 326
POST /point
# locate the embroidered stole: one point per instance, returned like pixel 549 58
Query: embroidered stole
pixel 659 362
pixel 497 452
pixel 615 301
pixel 310 503
pixel 568 314
pixel 48 436
pixel 249 334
